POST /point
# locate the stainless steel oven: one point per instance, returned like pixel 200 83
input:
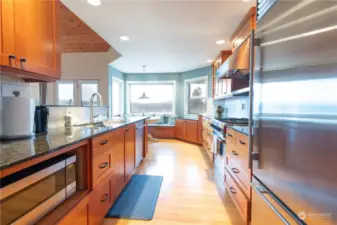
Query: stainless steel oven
pixel 28 195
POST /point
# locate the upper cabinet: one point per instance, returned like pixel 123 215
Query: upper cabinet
pixel 30 39
pixel 220 87
pixel 244 29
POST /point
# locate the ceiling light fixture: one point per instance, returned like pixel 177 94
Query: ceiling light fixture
pixel 220 42
pixel 246 0
pixel 209 60
pixel 94 2
pixel 124 38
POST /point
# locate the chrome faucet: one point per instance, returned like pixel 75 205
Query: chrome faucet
pixel 100 100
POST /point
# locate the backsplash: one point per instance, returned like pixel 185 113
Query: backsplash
pixel 80 115
pixel 236 107
pixel 9 84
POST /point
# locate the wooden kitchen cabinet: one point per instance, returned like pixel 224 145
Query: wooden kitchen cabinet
pixel 187 130
pixel 180 129
pixel 191 131
pixel 130 147
pixel 30 39
pixel 118 159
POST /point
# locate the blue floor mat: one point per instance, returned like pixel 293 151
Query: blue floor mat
pixel 138 200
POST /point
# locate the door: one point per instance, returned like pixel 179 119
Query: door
pixel 295 107
pixel 7 33
pixel 266 208
pixel 118 160
pixel 130 159
pixel 191 131
pixel 180 129
pixel 36 36
pixel 140 131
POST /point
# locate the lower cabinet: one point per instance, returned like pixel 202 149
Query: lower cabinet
pixel 100 202
pixel 187 130
pixel 130 153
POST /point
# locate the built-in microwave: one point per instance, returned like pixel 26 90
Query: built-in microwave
pixel 28 195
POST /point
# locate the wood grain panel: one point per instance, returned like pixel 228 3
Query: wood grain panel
pixel 162 132
pixel 76 36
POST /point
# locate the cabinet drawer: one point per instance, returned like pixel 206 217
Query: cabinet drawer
pixel 101 144
pixel 241 143
pixel 100 202
pixel 101 165
pixel 237 164
pixel 230 137
pixel 240 200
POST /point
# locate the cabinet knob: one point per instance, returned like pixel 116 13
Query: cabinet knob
pixel 11 56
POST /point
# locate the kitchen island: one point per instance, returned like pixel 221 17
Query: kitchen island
pixel 106 161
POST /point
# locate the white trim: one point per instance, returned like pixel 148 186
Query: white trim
pixel 151 82
pixel 121 82
pixel 186 91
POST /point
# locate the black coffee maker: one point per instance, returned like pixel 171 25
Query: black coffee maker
pixel 41 119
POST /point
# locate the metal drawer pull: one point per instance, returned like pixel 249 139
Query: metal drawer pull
pixel 104 142
pixel 242 142
pixel 106 197
pixel 11 56
pixel 103 165
pixel 126 130
pixel 229 135
pixel 235 170
pixel 233 191
pixel 234 153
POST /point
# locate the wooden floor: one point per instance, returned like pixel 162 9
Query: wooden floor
pixel 188 194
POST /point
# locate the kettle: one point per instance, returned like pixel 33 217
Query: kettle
pixel 17 115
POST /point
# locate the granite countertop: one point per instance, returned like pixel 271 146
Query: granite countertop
pixel 242 129
pixel 17 151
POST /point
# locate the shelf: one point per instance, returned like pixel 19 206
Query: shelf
pixel 240 92
pixel 62 210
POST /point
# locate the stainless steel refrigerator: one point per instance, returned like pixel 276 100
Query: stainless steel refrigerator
pixel 294 150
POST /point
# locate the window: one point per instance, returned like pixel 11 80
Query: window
pixel 87 88
pixel 195 95
pixel 76 92
pixel 117 96
pixel 65 93
pixel 151 97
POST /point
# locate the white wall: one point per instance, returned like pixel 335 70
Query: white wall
pixel 90 66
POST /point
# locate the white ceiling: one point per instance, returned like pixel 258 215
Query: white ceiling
pixel 165 35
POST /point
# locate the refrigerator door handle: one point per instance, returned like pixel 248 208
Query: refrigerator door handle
pixel 261 194
pixel 286 216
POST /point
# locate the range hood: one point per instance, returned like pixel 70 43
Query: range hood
pixel 237 65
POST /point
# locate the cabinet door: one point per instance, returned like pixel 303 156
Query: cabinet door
pixel 191 131
pixel 7 33
pixel 129 151
pixel 180 129
pixel 118 160
pixel 37 37
pixel 100 202
pixel 146 140
pixel 78 215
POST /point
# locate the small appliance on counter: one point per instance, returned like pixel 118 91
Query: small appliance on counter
pixel 41 119
pixel 17 116
pixel 218 111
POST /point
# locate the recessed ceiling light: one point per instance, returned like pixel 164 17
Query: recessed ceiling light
pixel 209 60
pixel 220 42
pixel 246 0
pixel 95 2
pixel 124 38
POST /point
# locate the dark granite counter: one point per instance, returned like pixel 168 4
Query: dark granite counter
pixel 241 129
pixel 18 151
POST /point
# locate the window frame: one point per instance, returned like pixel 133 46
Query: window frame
pixel 57 100
pixel 79 89
pixel 129 83
pixel 77 92
pixel 187 92
pixel 121 83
